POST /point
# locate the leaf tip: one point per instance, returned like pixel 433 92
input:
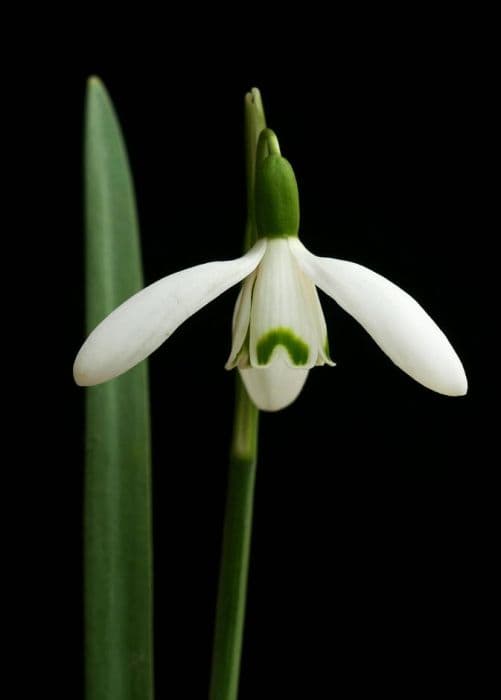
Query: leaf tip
pixel 95 86
pixel 94 81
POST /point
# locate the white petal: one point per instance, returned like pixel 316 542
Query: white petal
pixel 241 319
pixel 276 386
pixel 142 323
pixel 398 324
pixel 319 322
pixel 281 309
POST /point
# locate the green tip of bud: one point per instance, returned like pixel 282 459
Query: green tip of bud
pixel 276 193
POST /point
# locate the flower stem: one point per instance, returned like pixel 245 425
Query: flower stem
pixel 236 549
pixel 233 576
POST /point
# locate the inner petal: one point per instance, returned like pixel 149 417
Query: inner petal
pixel 276 386
pixel 240 326
pixel 282 312
pixel 319 322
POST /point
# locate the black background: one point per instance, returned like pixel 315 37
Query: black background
pixel 369 559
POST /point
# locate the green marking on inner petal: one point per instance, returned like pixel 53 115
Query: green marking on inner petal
pixel 298 350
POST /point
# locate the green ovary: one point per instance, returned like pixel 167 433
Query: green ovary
pixel 298 350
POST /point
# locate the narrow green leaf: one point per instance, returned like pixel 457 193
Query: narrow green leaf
pixel 118 538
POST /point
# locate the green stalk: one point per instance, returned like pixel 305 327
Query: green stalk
pixel 230 611
pixel 117 511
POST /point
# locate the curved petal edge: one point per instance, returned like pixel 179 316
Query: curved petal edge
pixel 397 323
pixel 142 323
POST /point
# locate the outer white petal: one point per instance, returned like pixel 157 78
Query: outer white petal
pixel 276 386
pixel 142 323
pixel 279 303
pixel 398 324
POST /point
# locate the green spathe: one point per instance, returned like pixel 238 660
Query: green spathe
pixel 276 194
pixel 298 350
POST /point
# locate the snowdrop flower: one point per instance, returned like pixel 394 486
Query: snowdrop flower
pixel 279 330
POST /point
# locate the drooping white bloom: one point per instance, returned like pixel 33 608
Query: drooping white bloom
pixel 279 330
